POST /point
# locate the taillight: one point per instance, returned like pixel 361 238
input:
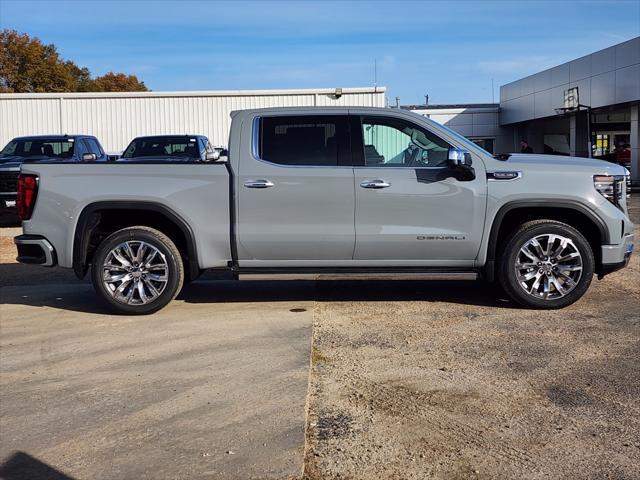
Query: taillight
pixel 27 192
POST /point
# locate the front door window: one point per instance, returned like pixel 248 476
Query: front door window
pixel 392 142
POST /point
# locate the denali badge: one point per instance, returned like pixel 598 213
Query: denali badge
pixel 441 237
pixel 502 175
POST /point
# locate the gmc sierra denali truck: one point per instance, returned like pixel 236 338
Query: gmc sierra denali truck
pixel 337 190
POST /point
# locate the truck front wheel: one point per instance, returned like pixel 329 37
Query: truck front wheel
pixel 137 270
pixel 546 264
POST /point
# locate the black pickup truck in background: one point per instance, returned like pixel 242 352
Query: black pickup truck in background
pixel 173 148
pixel 66 148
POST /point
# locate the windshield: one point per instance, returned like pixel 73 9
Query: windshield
pixel 464 140
pixel 39 147
pixel 185 147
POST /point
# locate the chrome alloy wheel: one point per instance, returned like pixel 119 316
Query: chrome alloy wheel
pixel 548 266
pixel 135 272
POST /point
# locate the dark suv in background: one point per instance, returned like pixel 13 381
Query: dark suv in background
pixel 41 148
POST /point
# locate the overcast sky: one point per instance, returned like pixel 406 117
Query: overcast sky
pixel 450 50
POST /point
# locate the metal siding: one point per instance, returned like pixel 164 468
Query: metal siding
pixel 37 117
pixel 117 118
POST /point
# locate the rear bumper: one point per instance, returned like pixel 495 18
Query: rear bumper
pixel 35 250
pixel 615 257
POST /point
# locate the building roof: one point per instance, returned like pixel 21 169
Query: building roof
pixel 448 106
pixel 195 93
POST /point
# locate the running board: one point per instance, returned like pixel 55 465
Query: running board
pixel 355 273
pixel 360 276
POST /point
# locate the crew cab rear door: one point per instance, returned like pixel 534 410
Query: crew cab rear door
pixel 410 205
pixel 296 192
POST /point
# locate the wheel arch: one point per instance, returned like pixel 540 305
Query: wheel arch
pixel 122 214
pixel 573 213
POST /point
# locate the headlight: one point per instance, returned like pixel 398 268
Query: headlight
pixel 610 187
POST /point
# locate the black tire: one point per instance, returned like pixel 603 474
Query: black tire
pixel 507 275
pixel 170 256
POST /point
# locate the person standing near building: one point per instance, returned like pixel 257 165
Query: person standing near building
pixel 525 147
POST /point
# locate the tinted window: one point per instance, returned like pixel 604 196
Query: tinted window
pixel 181 147
pixel 314 140
pixel 94 146
pixel 81 149
pixel 392 142
pixel 38 147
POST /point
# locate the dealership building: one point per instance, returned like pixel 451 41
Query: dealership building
pixel 606 86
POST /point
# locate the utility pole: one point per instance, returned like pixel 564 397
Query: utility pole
pixel 375 74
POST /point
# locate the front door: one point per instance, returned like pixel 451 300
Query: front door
pixel 410 206
pixel 296 193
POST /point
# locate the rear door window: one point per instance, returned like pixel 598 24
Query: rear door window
pixel 305 140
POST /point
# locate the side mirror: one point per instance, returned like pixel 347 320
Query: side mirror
pixel 215 157
pixel 89 157
pixel 459 160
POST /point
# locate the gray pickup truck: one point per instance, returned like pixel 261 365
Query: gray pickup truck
pixel 331 190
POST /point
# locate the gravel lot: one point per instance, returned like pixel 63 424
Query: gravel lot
pixel 449 380
pixel 409 379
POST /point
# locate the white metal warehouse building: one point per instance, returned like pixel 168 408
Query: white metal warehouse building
pixel 116 118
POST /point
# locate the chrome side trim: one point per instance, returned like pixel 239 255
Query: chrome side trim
pixel 255 153
pixel 375 184
pixel 258 184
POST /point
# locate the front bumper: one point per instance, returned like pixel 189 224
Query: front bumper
pixel 35 250
pixel 615 257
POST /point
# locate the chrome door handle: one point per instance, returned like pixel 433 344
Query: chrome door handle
pixel 258 184
pixel 375 184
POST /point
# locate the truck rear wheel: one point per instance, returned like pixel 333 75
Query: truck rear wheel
pixel 546 264
pixel 137 270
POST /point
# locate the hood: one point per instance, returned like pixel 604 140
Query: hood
pixel 562 162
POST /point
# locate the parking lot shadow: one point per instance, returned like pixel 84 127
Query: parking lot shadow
pixel 80 297
pixel 21 466
pixel 14 274
pixel 452 291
